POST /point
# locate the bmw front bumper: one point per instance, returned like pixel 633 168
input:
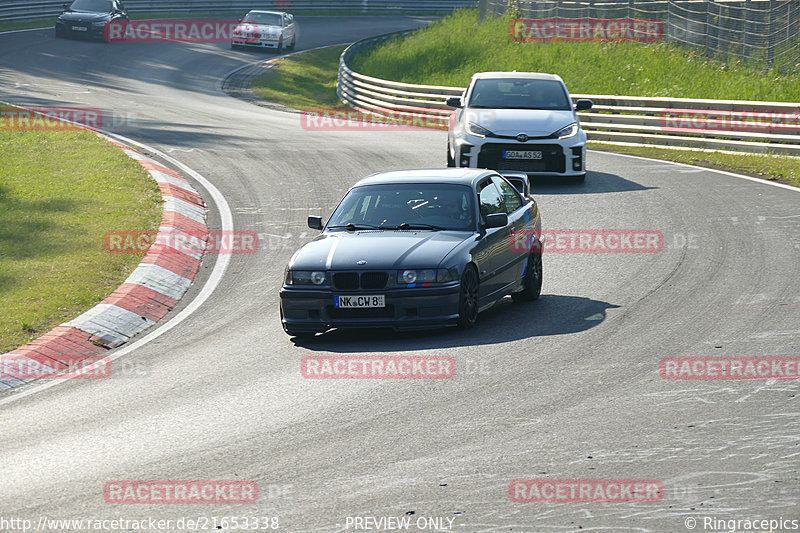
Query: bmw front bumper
pixel 255 43
pixel 312 310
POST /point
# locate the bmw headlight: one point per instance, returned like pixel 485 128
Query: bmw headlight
pixel 478 130
pixel 430 275
pixel 306 277
pixel 567 132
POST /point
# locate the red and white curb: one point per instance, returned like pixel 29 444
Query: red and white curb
pixel 149 293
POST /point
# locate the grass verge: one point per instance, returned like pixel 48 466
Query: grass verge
pixel 448 52
pixel 60 192
pixel 304 80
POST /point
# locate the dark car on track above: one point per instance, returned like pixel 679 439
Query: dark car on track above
pixel 415 249
pixel 87 19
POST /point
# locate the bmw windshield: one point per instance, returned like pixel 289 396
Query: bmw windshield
pixel 91 6
pixel 263 19
pixel 431 206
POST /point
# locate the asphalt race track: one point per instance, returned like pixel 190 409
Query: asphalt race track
pixel 564 388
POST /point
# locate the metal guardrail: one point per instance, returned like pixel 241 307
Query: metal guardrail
pixel 15 10
pixel 737 126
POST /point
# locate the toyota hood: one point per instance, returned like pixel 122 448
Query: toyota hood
pixel 510 122
pixel 380 249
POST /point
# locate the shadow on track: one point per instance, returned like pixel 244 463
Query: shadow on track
pixel 596 182
pixel 552 314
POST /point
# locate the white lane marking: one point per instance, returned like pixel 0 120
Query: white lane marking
pixel 29 29
pixel 763 218
pixel 723 172
pixel 214 279
pixel 768 334
pixel 665 170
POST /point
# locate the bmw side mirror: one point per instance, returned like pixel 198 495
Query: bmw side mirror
pixel 583 104
pixel 453 101
pixel 314 222
pixel 496 220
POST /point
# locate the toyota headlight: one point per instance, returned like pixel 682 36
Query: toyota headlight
pixel 478 130
pixel 567 132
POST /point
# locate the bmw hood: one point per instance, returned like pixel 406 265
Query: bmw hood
pixel 75 16
pixel 381 249
pixel 533 122
pixel 261 29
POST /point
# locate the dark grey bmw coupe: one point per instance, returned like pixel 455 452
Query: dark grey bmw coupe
pixel 415 249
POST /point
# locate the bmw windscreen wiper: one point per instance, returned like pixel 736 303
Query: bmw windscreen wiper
pixel 406 225
pixel 354 227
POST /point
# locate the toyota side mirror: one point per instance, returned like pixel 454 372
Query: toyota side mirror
pixel 453 101
pixel 583 104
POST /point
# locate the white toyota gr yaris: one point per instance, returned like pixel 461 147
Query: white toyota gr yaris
pixel 520 121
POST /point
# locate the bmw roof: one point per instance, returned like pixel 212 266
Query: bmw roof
pixel 463 176
pixel 516 75
pixel 267 12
